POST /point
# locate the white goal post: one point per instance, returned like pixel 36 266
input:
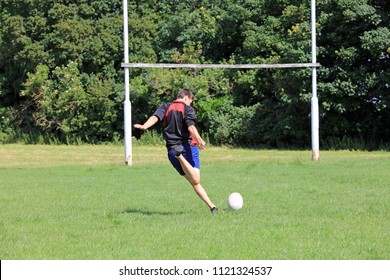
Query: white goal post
pixel 127 104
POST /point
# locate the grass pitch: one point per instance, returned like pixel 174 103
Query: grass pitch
pixel 82 202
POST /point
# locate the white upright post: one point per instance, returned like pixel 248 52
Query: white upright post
pixel 314 99
pixel 127 104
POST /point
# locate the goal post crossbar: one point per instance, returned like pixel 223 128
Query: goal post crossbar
pixel 219 66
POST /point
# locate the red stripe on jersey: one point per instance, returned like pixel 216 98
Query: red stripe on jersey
pixel 193 141
pixel 176 106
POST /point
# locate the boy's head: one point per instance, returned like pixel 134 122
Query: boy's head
pixel 186 95
pixel 185 92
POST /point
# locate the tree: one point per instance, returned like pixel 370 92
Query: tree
pixel 43 41
pixel 53 35
pixel 355 59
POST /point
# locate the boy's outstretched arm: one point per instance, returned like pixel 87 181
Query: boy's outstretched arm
pixel 149 123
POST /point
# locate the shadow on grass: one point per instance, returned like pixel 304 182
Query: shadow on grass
pixel 151 213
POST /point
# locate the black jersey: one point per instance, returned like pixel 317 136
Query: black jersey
pixel 177 117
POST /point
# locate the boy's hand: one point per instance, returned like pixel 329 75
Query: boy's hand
pixel 201 144
pixel 139 126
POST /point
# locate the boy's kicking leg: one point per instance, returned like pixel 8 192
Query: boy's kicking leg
pixel 193 176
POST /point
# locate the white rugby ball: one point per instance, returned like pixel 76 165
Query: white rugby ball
pixel 235 201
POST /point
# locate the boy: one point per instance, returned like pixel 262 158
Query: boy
pixel 182 139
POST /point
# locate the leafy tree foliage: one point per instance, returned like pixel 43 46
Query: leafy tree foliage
pixel 69 103
pixel 60 70
pixel 354 51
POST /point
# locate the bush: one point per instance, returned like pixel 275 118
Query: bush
pixel 69 104
pixel 230 125
pixel 260 125
pixel 7 133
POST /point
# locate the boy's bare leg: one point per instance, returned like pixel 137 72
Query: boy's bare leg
pixel 193 176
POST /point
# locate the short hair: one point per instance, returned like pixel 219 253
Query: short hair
pixel 185 92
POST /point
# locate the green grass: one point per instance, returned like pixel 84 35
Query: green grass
pixel 82 202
